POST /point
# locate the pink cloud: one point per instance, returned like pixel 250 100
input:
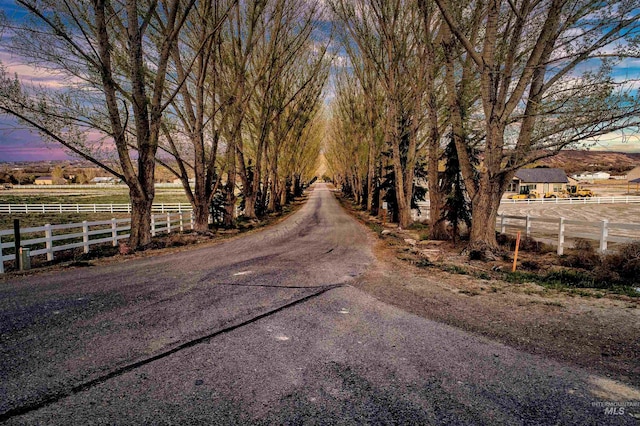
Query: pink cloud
pixel 19 144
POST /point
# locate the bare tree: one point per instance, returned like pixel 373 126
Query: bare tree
pixel 348 143
pixel 384 32
pixel 534 98
pixel 105 50
pixel 191 133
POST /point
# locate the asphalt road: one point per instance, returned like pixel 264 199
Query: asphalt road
pixel 263 329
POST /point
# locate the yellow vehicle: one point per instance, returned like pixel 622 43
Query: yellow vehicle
pixel 576 191
pixel 556 194
pixel 518 197
pixel 525 195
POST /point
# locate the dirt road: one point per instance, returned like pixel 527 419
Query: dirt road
pixel 265 329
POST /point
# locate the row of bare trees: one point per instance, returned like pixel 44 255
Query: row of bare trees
pixel 485 86
pixel 226 93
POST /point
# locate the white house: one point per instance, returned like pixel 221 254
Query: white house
pixel 592 176
pixel 105 180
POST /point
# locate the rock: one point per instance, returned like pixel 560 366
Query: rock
pixel 432 242
pixel 432 255
pixel 410 241
pixel 385 232
pixel 124 249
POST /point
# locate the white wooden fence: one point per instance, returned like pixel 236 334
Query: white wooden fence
pixel 89 208
pixel 580 200
pixel 49 239
pixel 424 205
pixel 559 230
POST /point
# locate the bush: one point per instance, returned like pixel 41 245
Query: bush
pixel 526 243
pixel 582 256
pixel 622 265
pixel 505 240
pixel 584 245
pixel 529 244
pixel 530 265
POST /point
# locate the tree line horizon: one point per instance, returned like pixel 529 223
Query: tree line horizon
pixel 463 94
pixel 230 93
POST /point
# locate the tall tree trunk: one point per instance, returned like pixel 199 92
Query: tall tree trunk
pixel 230 189
pixel 250 205
pixel 140 234
pixel 485 206
pixel 438 226
pixel 201 214
pixel 283 192
pixel 371 162
pixel 273 193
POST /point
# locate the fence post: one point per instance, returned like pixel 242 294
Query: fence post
pixel 111 207
pixel 48 235
pixel 191 220
pixel 561 237
pixel 161 207
pixel 114 231
pixel 604 233
pixel 181 222
pixel 153 225
pixel 77 208
pixel 60 207
pixel 85 236
pixel 168 223
pixel 26 208
pixel 503 225
pixel 1 259
pixel 16 241
pixel 527 226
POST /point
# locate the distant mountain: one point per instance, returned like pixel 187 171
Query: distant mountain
pixel 574 161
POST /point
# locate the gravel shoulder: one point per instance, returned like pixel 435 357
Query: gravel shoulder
pixel 601 334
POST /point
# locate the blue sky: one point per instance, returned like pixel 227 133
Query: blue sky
pixel 19 144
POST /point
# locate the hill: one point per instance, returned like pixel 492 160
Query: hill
pixel 574 161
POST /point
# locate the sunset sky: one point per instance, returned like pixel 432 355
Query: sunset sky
pixel 20 144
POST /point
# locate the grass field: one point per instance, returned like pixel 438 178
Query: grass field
pixel 74 196
pixel 90 196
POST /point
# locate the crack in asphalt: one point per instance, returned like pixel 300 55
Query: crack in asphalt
pixel 271 285
pixel 53 398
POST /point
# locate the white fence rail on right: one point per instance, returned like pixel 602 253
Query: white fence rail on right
pixel 559 230
pixel 627 199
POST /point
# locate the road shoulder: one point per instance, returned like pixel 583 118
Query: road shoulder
pixel 601 334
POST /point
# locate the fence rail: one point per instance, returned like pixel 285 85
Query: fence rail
pixel 101 186
pixel 580 200
pixel 89 208
pixel 48 239
pixel 630 199
pixel 559 230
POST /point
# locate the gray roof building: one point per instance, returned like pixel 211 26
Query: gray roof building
pixel 542 175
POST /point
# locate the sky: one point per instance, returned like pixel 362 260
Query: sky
pixel 19 144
